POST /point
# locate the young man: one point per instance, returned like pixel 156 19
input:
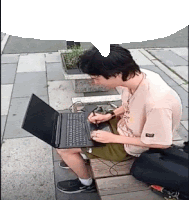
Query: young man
pixel 150 114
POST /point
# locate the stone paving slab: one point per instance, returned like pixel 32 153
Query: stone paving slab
pixel 63 174
pixel 4 39
pixel 183 132
pixel 6 98
pixel 2 35
pixel 53 57
pixel 9 58
pixel 56 156
pixel 27 170
pixel 169 58
pixel 31 63
pixel 174 76
pixel 15 118
pixel 28 83
pixel 8 72
pixel 3 121
pixel 61 93
pixel 183 70
pixel 183 52
pixel 185 124
pixel 6 90
pixel 86 45
pixel 184 98
pixel 54 72
pixel 139 58
pixel 5 103
pixel 31 45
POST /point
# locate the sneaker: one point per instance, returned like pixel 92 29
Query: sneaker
pixel 75 186
pixel 63 165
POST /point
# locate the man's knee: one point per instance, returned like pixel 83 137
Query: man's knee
pixel 68 151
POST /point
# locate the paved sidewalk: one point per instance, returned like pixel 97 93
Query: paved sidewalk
pixel 29 166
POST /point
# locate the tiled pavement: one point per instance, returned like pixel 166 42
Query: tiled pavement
pixel 29 166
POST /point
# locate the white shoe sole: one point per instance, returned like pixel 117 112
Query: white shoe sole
pixel 63 167
pixel 78 191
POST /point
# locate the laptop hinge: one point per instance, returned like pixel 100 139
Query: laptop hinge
pixel 58 131
pixel 54 129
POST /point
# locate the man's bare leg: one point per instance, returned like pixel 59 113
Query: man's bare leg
pixel 75 161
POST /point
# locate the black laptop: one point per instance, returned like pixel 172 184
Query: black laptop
pixel 60 130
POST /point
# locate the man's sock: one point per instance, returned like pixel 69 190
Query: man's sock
pixel 86 181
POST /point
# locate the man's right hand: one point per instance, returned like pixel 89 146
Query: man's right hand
pixel 99 118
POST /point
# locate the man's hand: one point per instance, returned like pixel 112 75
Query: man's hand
pixel 103 136
pixel 99 118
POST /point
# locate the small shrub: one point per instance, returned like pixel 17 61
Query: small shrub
pixel 71 58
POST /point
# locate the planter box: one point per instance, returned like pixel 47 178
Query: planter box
pixel 81 82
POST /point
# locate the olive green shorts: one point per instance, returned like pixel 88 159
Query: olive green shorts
pixel 111 151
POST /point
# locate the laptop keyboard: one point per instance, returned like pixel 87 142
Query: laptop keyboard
pixel 75 130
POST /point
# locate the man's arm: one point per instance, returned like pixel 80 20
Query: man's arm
pixel 98 118
pixel 118 111
pixel 107 137
pixel 137 141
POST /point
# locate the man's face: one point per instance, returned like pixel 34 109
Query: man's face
pixel 112 82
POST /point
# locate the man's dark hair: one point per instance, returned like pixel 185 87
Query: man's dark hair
pixel 118 61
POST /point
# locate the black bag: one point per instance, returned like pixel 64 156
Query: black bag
pixel 164 167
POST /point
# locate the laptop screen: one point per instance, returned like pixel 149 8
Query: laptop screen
pixel 40 120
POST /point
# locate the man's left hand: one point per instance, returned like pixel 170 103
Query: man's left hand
pixel 103 136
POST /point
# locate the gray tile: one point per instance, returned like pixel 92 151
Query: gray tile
pixel 84 196
pixel 184 98
pixel 63 174
pixel 56 156
pixel 86 45
pixel 8 72
pixel 28 83
pixel 168 57
pixel 182 71
pixel 31 63
pixel 10 58
pixel 54 72
pixel 183 132
pixel 2 35
pixel 31 45
pixel 3 121
pixel 27 170
pixel 61 94
pixel 53 57
pixel 185 124
pixel 15 117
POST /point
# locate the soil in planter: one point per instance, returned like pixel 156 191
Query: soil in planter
pixel 74 71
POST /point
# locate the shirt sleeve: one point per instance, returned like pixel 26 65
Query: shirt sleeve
pixel 158 127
